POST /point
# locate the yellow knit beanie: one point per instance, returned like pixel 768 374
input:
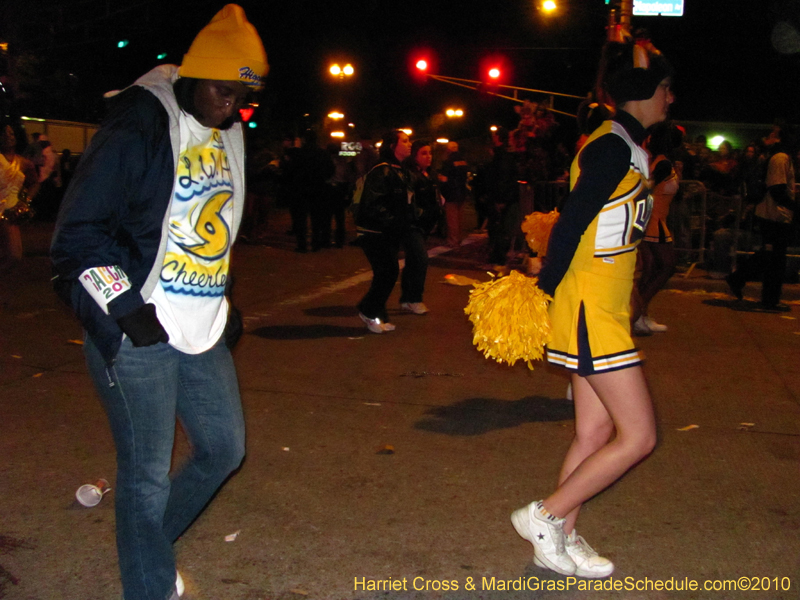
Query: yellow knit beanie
pixel 227 49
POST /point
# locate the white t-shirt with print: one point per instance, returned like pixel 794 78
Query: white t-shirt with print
pixel 190 298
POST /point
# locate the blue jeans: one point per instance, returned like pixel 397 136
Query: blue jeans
pixel 143 392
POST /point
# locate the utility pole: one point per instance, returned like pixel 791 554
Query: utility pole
pixel 619 21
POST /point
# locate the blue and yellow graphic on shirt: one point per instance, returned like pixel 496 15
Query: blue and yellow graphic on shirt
pixel 198 249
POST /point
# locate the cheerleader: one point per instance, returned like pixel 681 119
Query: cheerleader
pixel 589 272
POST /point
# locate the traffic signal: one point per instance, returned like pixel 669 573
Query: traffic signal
pixel 422 65
pixel 493 73
pixel 247 113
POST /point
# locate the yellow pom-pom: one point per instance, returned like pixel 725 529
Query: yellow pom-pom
pixel 509 318
pixel 537 227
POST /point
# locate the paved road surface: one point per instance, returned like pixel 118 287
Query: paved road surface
pixel 319 508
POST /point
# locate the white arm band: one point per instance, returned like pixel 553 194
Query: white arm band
pixel 104 284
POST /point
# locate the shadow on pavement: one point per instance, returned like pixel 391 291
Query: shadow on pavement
pixel 307 332
pixel 476 416
pixel 332 311
pixel 747 306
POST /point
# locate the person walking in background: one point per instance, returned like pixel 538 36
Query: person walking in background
pixel 141 251
pixel 502 182
pixel 340 194
pixel 19 183
pixel 774 217
pixel 385 215
pixel 307 170
pixel 657 250
pixel 453 186
pixel 423 220
pixel 589 272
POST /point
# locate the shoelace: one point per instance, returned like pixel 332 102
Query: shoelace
pixel 583 547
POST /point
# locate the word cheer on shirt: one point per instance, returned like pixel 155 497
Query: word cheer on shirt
pixel 190 299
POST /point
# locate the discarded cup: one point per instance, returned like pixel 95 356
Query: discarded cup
pixel 90 494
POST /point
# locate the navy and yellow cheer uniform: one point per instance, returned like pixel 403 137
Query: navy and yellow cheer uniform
pixel 592 251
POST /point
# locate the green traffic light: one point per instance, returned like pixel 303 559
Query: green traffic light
pixel 252 125
pixel 162 56
pixel 122 43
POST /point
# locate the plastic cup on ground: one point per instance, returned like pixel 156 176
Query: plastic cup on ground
pixel 89 495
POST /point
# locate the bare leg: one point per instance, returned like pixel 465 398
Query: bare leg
pixel 627 402
pixel 593 429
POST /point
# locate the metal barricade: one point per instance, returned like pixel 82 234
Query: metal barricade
pixel 687 220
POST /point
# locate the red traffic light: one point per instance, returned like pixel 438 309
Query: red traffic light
pixel 246 113
pixel 422 64
pixel 494 73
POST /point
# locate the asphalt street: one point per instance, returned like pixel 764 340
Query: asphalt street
pixel 387 466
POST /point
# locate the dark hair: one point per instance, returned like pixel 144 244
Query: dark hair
pixel 664 138
pixel 620 81
pixel 591 115
pixel 388 144
pixel 416 146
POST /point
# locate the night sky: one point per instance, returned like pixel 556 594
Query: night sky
pixel 726 64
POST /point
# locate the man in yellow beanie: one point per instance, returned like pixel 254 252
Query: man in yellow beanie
pixel 141 251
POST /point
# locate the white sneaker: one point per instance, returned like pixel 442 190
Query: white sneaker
pixel 418 308
pixel 179 584
pixel 587 562
pixel 546 533
pixel 653 326
pixel 640 328
pixel 374 325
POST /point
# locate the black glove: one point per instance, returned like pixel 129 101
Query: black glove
pixel 233 328
pixel 143 327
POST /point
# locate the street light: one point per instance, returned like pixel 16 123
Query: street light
pixel 335 115
pixel 549 5
pixel 341 72
pixel 454 112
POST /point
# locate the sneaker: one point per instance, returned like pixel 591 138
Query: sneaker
pixel 736 289
pixel 418 308
pixel 546 533
pixel 653 326
pixel 640 328
pixel 587 562
pixel 179 584
pixel 374 325
pixel 388 326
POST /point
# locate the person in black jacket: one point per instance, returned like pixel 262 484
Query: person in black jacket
pixel 426 213
pixel 141 251
pixel 502 183
pixel 385 215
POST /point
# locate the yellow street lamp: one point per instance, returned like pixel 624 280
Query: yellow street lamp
pixel 337 134
pixel 454 112
pixel 335 115
pixel 341 72
pixel 549 5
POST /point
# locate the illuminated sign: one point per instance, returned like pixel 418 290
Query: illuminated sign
pixel 654 8
pixel 350 148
